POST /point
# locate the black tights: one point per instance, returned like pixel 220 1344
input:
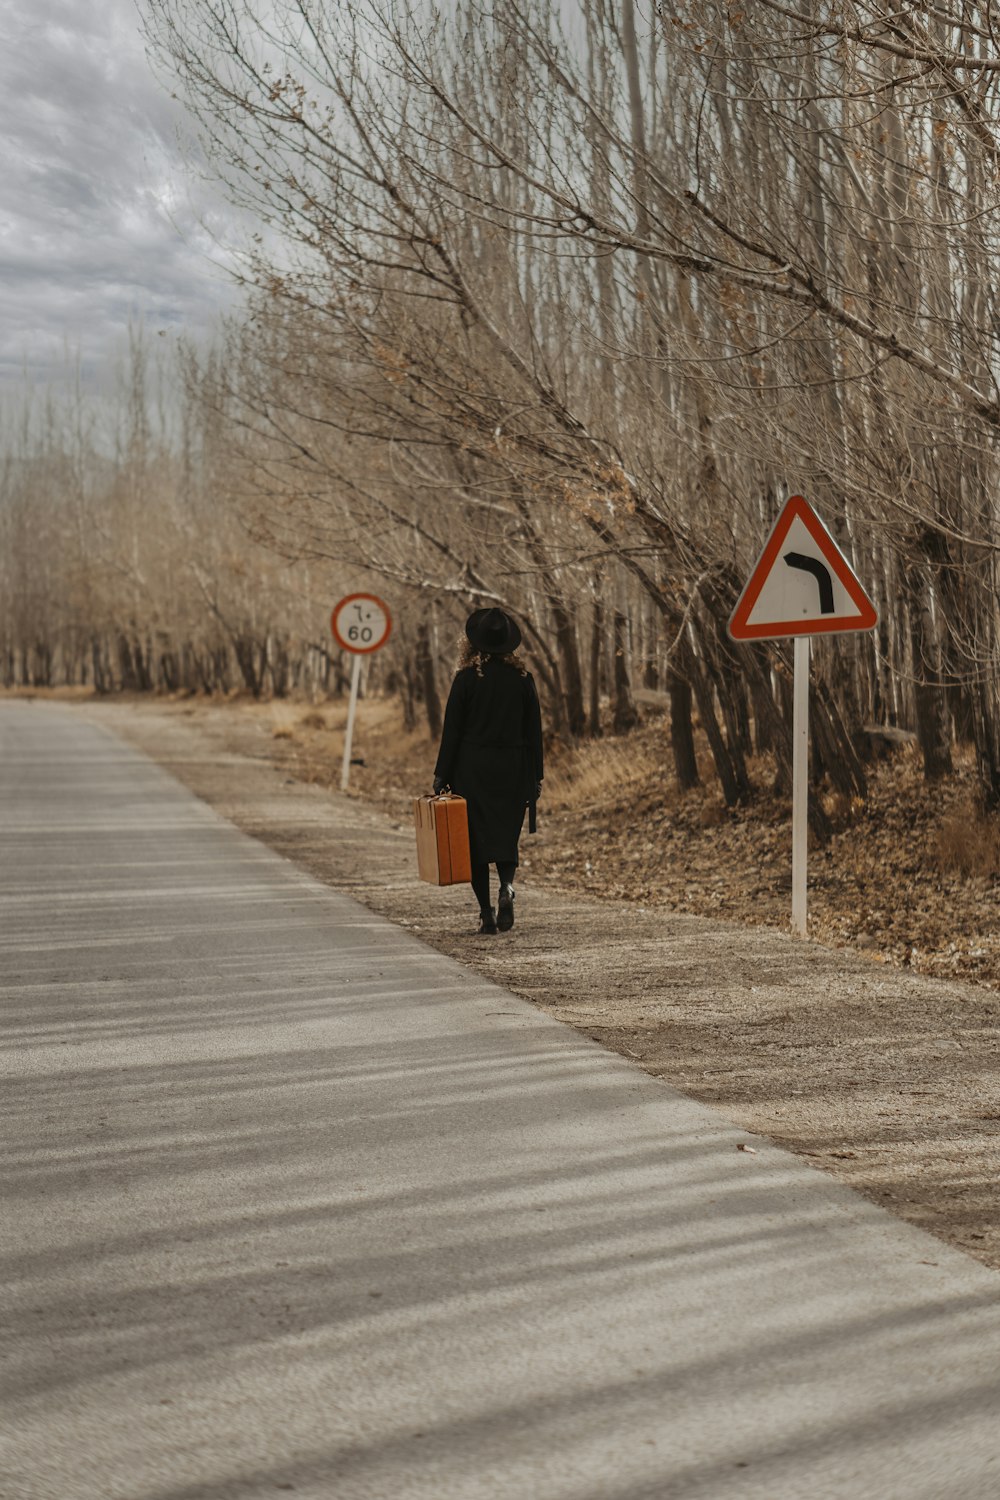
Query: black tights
pixel 481 880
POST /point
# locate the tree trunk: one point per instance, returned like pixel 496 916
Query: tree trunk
pixel 626 715
pixel 596 642
pixel 409 694
pixel 933 723
pixel 682 732
pixel 731 769
pixel 571 674
pixel 987 745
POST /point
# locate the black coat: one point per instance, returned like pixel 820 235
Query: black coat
pixel 491 754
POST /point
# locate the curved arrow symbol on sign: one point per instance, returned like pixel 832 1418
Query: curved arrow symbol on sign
pixel 820 572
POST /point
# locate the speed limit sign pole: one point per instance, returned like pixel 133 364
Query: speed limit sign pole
pixel 361 624
pixel 345 769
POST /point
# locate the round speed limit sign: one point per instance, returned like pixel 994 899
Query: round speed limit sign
pixel 361 623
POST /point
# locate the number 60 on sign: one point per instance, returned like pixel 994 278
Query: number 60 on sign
pixel 361 623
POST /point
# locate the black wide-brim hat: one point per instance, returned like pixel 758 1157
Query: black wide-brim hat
pixel 492 631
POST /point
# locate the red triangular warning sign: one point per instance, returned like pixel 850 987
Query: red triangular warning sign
pixel 802 583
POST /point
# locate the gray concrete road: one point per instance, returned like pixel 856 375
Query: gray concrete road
pixel 294 1205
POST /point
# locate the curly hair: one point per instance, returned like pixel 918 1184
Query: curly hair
pixel 468 656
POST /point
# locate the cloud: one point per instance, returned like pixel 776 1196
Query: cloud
pixel 100 217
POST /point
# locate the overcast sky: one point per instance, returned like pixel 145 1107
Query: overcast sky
pixel 98 215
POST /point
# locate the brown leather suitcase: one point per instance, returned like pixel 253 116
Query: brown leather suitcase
pixel 442 825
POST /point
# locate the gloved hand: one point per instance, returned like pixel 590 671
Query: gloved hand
pixel 439 784
pixel 538 790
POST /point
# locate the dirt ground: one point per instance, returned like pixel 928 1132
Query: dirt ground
pixel 656 925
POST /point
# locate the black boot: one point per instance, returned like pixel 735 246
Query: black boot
pixel 505 908
pixel 488 921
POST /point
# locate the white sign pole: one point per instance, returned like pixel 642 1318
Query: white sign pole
pixel 345 770
pixel 801 585
pixel 800 783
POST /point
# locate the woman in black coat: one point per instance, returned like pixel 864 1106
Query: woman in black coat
pixel 491 754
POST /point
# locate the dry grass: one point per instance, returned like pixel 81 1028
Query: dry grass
pixel 712 814
pixel 313 720
pixel 968 844
pixel 596 772
pixel 288 722
pixel 55 695
pixel 841 809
